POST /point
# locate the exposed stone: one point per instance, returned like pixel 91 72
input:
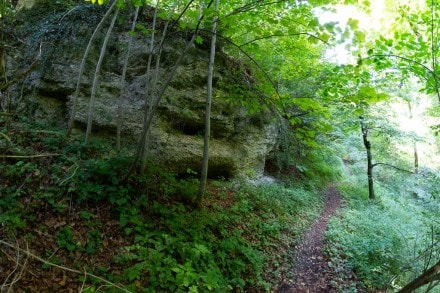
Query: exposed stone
pixel 27 4
pixel 239 144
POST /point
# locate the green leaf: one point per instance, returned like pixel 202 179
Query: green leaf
pixel 176 270
pixel 359 112
pixel 199 40
pixel 353 23
pixel 359 36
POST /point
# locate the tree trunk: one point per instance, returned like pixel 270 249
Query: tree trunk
pixel 3 79
pixel 159 95
pixel 149 94
pixel 4 96
pixel 430 275
pixel 124 73
pixel 416 158
pixel 416 154
pixel 370 165
pixel 204 174
pixel 156 101
pixel 71 122
pixel 96 77
pixel 434 48
pixel 144 153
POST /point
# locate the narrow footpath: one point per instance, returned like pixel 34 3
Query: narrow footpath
pixel 311 272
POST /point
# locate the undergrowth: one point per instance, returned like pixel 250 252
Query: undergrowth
pixel 71 207
pixel 386 242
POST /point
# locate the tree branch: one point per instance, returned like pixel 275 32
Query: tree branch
pixel 431 71
pixel 265 73
pixel 30 156
pixel 30 254
pixel 251 5
pixel 394 167
pixel 19 76
pixel 432 274
pixel 282 35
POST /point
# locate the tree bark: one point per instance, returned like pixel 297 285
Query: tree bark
pixel 156 102
pixel 416 154
pixel 144 153
pixel 204 174
pixel 416 159
pixel 71 122
pixel 3 79
pixel 149 94
pixel 434 49
pixel 370 164
pixel 157 97
pixel 96 77
pixel 124 73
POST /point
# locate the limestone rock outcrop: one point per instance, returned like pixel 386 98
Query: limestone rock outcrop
pixel 240 142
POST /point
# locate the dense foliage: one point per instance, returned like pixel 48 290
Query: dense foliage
pixel 83 213
pixel 392 239
pixel 71 206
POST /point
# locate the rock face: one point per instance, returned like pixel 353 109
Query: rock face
pixel 240 142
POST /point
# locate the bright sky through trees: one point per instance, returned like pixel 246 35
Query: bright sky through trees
pixel 340 15
pixel 382 20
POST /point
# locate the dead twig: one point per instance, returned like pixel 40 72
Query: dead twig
pixel 29 156
pixel 30 254
pixel 16 276
pixel 72 175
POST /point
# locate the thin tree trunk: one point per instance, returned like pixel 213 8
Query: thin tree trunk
pixel 430 275
pixel 3 79
pixel 157 100
pixel 370 165
pixel 144 153
pixel 124 73
pixel 434 50
pixel 159 95
pixel 81 69
pixel 4 94
pixel 416 159
pixel 416 154
pixel 96 77
pixel 204 174
pixel 148 98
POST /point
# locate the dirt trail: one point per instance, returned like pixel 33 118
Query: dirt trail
pixel 311 272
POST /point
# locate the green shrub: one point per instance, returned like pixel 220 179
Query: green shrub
pixel 220 249
pixel 377 239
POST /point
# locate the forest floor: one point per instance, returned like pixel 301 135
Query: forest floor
pixel 312 272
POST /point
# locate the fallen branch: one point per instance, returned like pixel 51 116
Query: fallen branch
pixel 392 166
pixel 30 254
pixel 71 176
pixel 6 137
pixel 5 114
pixel 431 275
pixel 15 277
pixel 30 156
